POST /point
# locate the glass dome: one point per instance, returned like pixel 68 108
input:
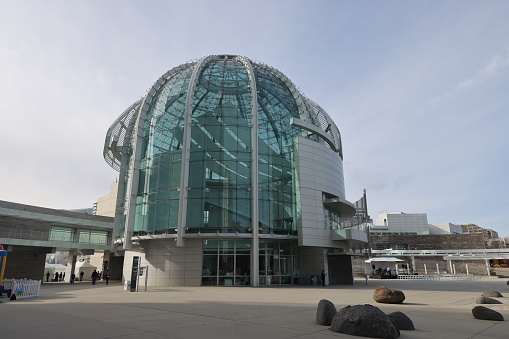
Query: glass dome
pixel 210 149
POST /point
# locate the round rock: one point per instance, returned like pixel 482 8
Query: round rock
pixel 387 296
pixel 486 300
pixel 401 321
pixel 484 313
pixel 364 321
pixel 325 312
pixel 492 294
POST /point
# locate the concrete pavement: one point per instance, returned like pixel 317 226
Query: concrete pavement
pixel 439 309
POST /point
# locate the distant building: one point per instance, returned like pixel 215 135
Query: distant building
pixel 106 205
pixel 474 229
pixel 445 228
pixel 401 223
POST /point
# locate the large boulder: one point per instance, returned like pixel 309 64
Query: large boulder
pixel 486 300
pixel 492 294
pixel 401 321
pixel 387 296
pixel 325 312
pixel 364 321
pixel 484 313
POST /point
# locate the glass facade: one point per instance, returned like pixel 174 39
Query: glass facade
pixel 220 163
pixel 157 198
pixel 210 152
pixel 227 262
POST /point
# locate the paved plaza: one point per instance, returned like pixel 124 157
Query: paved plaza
pixel 439 309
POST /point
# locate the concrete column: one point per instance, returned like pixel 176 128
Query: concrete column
pixel 488 267
pixel 71 264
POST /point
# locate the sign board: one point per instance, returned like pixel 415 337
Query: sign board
pixel 134 273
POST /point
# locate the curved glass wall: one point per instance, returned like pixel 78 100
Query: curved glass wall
pixel 157 200
pixel 219 190
pixel 219 198
pixel 276 107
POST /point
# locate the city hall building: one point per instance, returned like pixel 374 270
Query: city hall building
pixel 228 175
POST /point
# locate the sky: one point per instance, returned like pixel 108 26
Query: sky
pixel 418 89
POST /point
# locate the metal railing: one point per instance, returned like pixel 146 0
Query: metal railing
pixel 441 277
pixel 11 233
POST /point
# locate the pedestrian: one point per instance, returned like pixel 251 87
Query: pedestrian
pixel 47 276
pixel 63 277
pixel 100 274
pixel 106 276
pixel 56 276
pixel 73 277
pixel 323 277
pixel 94 277
pixel 81 275
pixel 388 270
pixel 60 277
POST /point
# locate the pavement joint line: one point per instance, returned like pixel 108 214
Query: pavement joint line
pixel 475 335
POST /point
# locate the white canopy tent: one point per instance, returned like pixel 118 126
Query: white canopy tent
pixel 86 268
pixel 52 268
pixel 377 266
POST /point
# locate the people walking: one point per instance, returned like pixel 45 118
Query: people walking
pixel 56 276
pixel 323 277
pixel 94 277
pixel 73 277
pixel 81 275
pixel 47 276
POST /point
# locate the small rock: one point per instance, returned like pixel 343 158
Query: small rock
pixel 486 300
pixel 484 313
pixel 387 296
pixel 364 321
pixel 401 321
pixel 325 312
pixel 492 294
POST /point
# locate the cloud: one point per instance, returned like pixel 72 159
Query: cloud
pixel 494 67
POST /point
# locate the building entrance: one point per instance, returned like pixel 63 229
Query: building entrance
pixel 228 262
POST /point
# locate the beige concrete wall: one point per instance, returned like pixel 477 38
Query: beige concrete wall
pixel 106 204
pixel 168 265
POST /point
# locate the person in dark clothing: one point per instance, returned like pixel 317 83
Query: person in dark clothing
pixel 106 276
pixel 56 276
pixel 47 276
pixel 81 275
pixel 63 277
pixel 323 277
pixel 94 277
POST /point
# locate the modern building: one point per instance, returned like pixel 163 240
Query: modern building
pixel 106 205
pixel 228 175
pixel 401 223
pixel 445 228
pixel 474 229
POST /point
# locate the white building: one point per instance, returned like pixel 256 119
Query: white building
pixel 401 223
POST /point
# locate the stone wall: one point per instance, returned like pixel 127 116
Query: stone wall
pixel 429 242
pixel 26 262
